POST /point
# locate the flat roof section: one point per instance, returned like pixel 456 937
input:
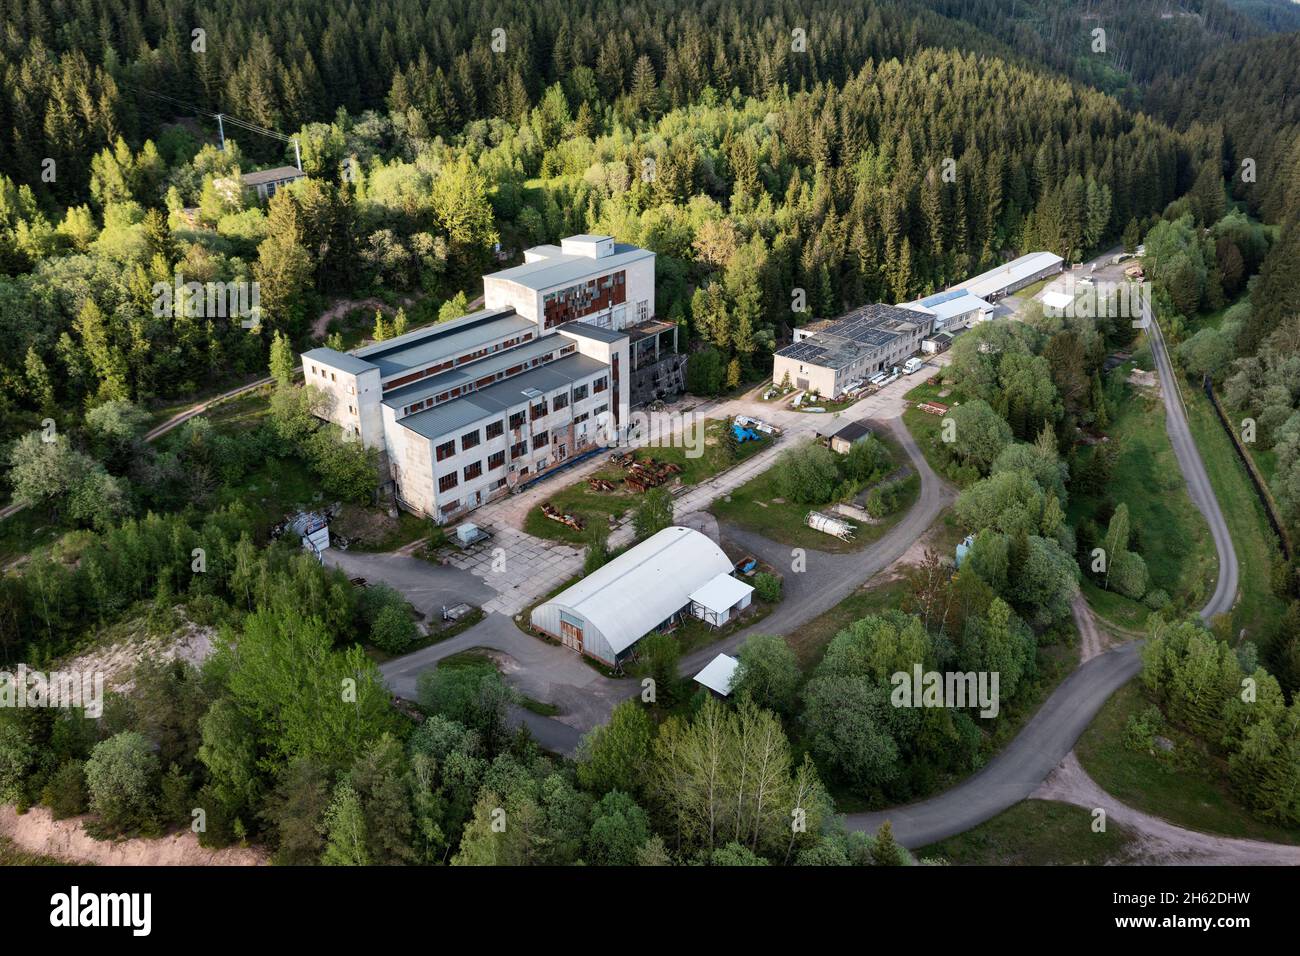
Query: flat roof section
pixel 499 398
pixel 593 332
pixel 561 270
pixel 444 340
pixel 343 361
pixel 473 371
pixel 718 674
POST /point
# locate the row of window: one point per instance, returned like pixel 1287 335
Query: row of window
pixel 444 364
pixel 495 429
pixel 485 381
pixel 471 471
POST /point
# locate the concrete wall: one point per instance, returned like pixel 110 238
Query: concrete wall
pixel 499 293
pixel 353 400
pixel 415 467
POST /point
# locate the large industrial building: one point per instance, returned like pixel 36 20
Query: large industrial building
pixel 829 357
pixel 1013 276
pixel 649 587
pixel 953 310
pixel 465 410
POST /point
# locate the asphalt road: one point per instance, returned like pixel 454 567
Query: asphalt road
pixel 1193 469
pixel 1050 735
pixel 830 578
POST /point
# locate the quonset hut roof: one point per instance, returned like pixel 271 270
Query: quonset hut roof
pixel 645 585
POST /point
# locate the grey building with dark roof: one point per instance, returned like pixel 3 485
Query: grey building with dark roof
pixel 835 355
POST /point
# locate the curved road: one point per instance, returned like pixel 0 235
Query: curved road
pixel 1050 735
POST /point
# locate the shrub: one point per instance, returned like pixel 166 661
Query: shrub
pixel 1141 730
pixel 768 587
pixel 1156 599
pixel 121 776
pixel 807 474
pixel 65 793
pixel 393 630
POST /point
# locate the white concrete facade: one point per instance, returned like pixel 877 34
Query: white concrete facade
pixel 469 409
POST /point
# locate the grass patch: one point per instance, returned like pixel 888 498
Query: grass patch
pixel 1259 610
pixel 1124 613
pixel 598 507
pixel 28 531
pixel 484 663
pixel 1188 789
pixel 1035 833
pixel 757 506
pixel 13 855
pixel 925 427
pixel 1168 531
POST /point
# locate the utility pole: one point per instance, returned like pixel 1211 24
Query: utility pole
pixel 297 153
pixel 221 130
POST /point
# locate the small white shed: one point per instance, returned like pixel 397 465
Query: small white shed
pixel 720 598
pixel 718 674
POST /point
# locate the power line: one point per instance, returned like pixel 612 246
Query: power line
pixel 221 118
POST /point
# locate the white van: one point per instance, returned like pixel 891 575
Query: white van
pixel 912 366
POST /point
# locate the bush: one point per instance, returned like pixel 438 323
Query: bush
pixel 807 474
pixel 1156 599
pixel 1141 730
pixel 768 587
pixel 122 776
pixel 393 630
pixel 65 793
pixel 883 500
pixel 1128 574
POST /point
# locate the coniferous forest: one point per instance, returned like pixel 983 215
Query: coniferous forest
pixel 834 153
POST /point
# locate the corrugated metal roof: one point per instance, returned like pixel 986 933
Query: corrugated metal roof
pixel 473 371
pixel 722 593
pixel 589 331
pixel 945 305
pixel 1017 270
pixel 500 398
pixel 645 585
pixel 276 175
pixel 566 269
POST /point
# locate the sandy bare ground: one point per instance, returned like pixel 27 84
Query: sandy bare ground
pixel 1093 640
pixel 117 661
pixel 37 832
pixel 1160 842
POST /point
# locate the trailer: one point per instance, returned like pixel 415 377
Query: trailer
pixel 835 527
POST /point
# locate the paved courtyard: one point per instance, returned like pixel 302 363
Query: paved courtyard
pixel 520 568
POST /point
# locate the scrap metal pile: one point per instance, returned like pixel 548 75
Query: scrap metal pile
pixel 554 513
pixel 644 475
